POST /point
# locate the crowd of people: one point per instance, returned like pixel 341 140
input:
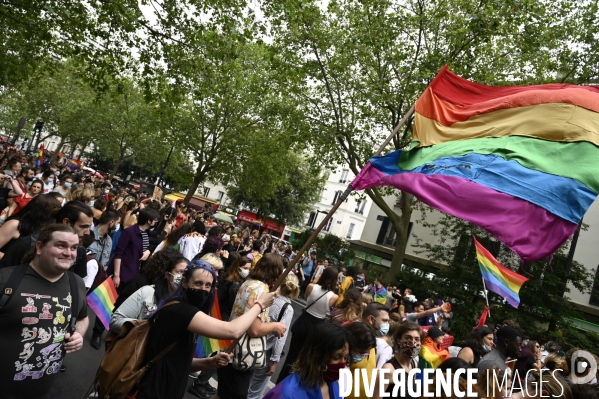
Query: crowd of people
pixel 64 232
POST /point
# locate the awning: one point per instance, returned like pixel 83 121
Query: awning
pixel 272 225
pixel 294 230
pixel 248 216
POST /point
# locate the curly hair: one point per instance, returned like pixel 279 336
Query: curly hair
pixel 162 262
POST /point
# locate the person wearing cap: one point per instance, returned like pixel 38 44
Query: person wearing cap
pixel 431 354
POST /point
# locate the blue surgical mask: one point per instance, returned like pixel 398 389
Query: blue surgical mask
pixel 355 358
pixel 57 173
pixel 91 203
pixel 106 191
pixel 67 184
pixel 486 349
pixel 384 329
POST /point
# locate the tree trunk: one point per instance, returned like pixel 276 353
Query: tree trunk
pixel 400 223
pixel 116 166
pixel 197 179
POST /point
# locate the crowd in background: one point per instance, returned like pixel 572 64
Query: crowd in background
pixel 158 252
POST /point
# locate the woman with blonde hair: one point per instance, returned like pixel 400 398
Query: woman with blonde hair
pixel 85 195
pixel 280 311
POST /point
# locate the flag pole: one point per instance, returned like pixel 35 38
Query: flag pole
pixel 486 296
pixel 329 215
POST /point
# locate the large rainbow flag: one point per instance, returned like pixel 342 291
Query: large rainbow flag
pixel 518 161
pixel 379 295
pixel 75 164
pixel 498 278
pixel 205 345
pixel 102 300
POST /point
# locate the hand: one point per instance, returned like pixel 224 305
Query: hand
pixel 73 342
pixel 117 281
pixel 271 370
pixel 221 359
pixel 267 299
pixel 280 329
pixel 146 255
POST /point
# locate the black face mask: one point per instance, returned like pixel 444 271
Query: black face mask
pixel 196 298
pixel 29 179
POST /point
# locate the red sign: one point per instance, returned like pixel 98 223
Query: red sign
pixel 248 216
pixel 272 225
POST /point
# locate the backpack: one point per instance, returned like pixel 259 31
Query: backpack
pixel 123 365
pixel 100 276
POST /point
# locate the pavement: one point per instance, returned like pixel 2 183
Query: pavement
pixel 82 365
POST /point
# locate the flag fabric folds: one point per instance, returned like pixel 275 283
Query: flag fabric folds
pixel 483 318
pixel 518 161
pixel 379 295
pixel 205 345
pixel 75 164
pixel 431 354
pixel 498 278
pixel 39 159
pixel 102 300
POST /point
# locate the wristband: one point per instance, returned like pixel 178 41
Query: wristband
pixel 261 307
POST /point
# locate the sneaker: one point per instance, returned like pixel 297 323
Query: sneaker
pixel 199 391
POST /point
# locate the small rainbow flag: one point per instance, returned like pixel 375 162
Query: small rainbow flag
pixel 498 278
pixel 430 353
pixel 206 345
pixel 102 300
pixel 75 164
pixel 39 159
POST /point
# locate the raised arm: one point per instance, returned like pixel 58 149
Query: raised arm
pixel 210 327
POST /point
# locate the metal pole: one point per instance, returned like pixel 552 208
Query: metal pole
pixel 329 215
pixel 19 127
pixel 486 297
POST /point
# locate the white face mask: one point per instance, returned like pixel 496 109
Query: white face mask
pixel 176 280
pixel 244 272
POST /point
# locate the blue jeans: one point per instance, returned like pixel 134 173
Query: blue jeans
pixel 260 380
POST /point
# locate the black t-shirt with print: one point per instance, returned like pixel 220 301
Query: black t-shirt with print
pixel 32 330
pixel 168 377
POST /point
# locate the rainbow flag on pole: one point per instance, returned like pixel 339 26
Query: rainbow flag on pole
pixel 498 278
pixel 75 164
pixel 102 300
pixel 518 161
pixel 39 159
pixel 206 345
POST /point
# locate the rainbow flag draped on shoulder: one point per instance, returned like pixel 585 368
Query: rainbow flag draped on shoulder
pixel 379 295
pixel 518 161
pixel 498 278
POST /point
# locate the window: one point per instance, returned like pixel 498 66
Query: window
pixel 322 194
pixel 337 195
pixel 350 231
pixel 311 219
pixel 343 178
pixel 387 235
pixel 327 227
pixel 220 196
pixel 206 192
pixel 360 205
